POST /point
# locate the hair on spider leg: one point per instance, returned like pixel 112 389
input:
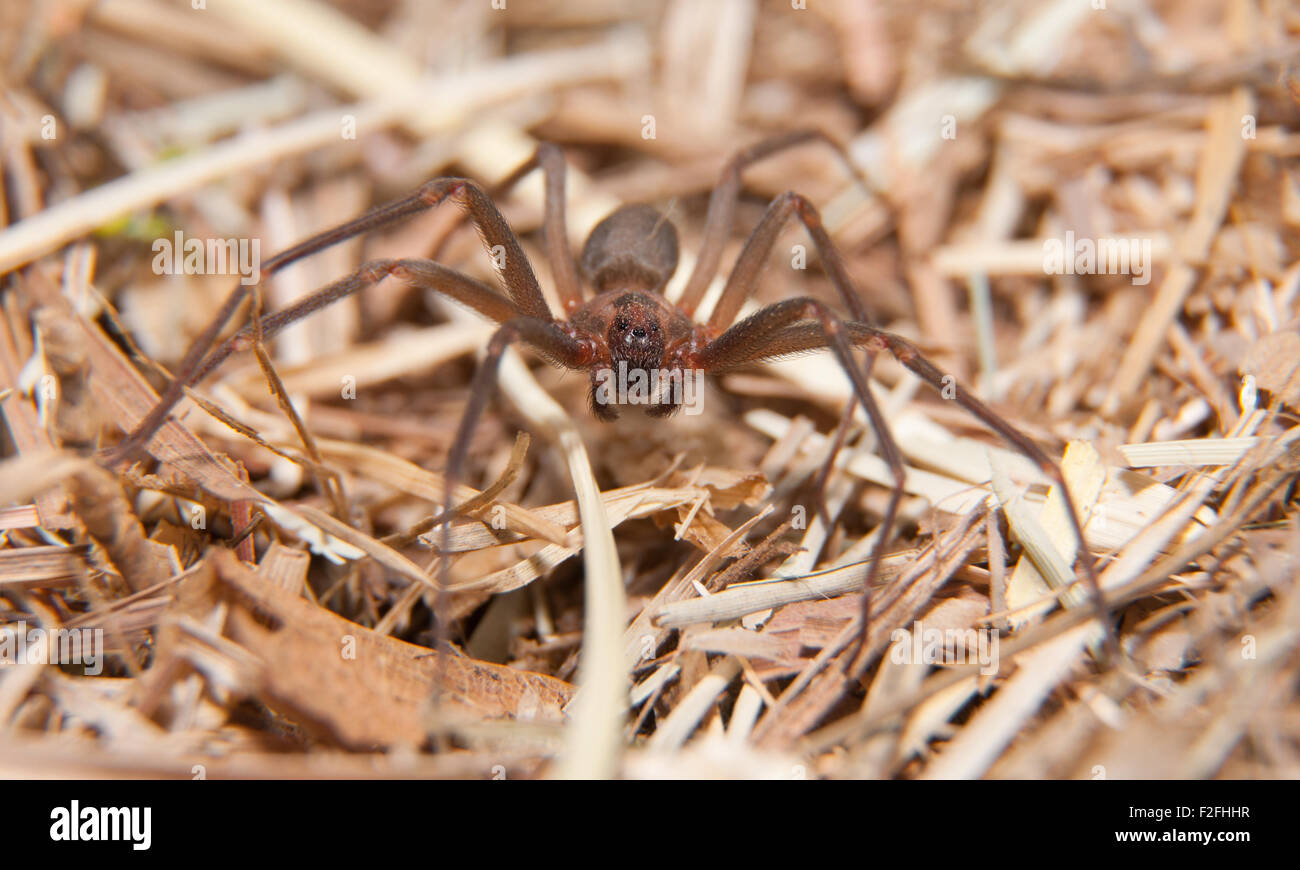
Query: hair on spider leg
pixel 617 320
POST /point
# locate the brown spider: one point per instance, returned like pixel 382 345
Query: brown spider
pixel 627 326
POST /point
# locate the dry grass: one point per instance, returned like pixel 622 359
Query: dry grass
pixel 265 601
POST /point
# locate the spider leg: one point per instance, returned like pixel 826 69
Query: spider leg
pixel 837 444
pixel 743 277
pixel 497 236
pixel 907 354
pixel 800 338
pixel 757 331
pixel 722 207
pixel 555 228
pixel 556 343
pixel 422 274
pixel 740 284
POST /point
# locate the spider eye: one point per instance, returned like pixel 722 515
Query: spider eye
pixel 621 325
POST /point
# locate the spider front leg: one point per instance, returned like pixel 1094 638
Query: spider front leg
pixel 517 273
pixel 557 342
pixel 744 276
pixel 763 338
pixel 738 345
pixel 421 274
pixel 911 358
pixel 798 338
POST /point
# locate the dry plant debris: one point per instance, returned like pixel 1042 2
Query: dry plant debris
pixel 1090 215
